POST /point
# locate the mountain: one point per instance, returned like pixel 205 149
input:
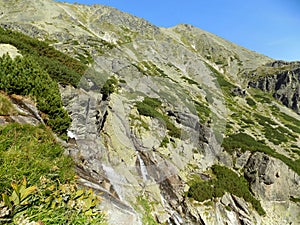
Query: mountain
pixel 172 125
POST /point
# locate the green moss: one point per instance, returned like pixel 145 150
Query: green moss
pixel 225 181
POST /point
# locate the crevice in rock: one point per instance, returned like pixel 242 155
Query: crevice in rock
pixel 102 121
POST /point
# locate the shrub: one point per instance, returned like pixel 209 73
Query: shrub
pixel 148 107
pixel 226 181
pixel 59 66
pixel 23 76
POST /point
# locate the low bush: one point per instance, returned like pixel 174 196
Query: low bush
pixel 23 76
pixel 225 181
pixel 148 107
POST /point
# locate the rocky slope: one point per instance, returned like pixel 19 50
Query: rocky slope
pixel 158 107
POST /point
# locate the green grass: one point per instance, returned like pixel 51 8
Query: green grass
pixel 6 107
pixel 250 102
pixel 52 195
pixel 32 152
pixel 225 181
pixel 147 218
pixel 273 131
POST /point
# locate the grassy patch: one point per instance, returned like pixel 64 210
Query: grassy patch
pixel 49 193
pixel 149 69
pixel 250 102
pixel 225 181
pixel 147 209
pixel 273 131
pixel 203 111
pixel 6 107
pixel 32 152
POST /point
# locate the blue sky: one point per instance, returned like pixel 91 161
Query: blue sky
pixel 270 27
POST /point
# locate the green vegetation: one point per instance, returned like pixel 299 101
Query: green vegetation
pixel 296 200
pixel 245 142
pixel 273 131
pixel 225 181
pixel 164 143
pixel 203 111
pixel 147 209
pixel 190 81
pixel 28 151
pixel 109 87
pixel 48 193
pixel 6 107
pixel 149 107
pixel 23 76
pixel 149 69
pixel 60 67
pixel 250 102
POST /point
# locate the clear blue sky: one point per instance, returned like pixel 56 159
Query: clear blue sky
pixel 270 27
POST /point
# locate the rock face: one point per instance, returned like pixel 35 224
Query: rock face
pixel 282 80
pixel 152 110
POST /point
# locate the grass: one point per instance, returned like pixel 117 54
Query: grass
pixel 273 131
pixel 147 218
pixel 6 107
pixel 49 193
pixel 250 102
pixel 225 180
pixel 32 152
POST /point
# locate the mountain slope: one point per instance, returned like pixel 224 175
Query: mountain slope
pixel 159 108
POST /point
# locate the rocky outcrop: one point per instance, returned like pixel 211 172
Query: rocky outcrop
pixel 22 110
pixel 282 80
pixel 275 184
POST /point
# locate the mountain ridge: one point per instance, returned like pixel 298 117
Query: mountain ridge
pixel 154 110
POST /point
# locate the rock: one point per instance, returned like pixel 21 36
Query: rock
pixel 11 50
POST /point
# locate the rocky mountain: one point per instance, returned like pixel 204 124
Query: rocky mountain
pixel 173 125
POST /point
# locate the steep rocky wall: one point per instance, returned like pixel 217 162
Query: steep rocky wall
pixel 282 80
